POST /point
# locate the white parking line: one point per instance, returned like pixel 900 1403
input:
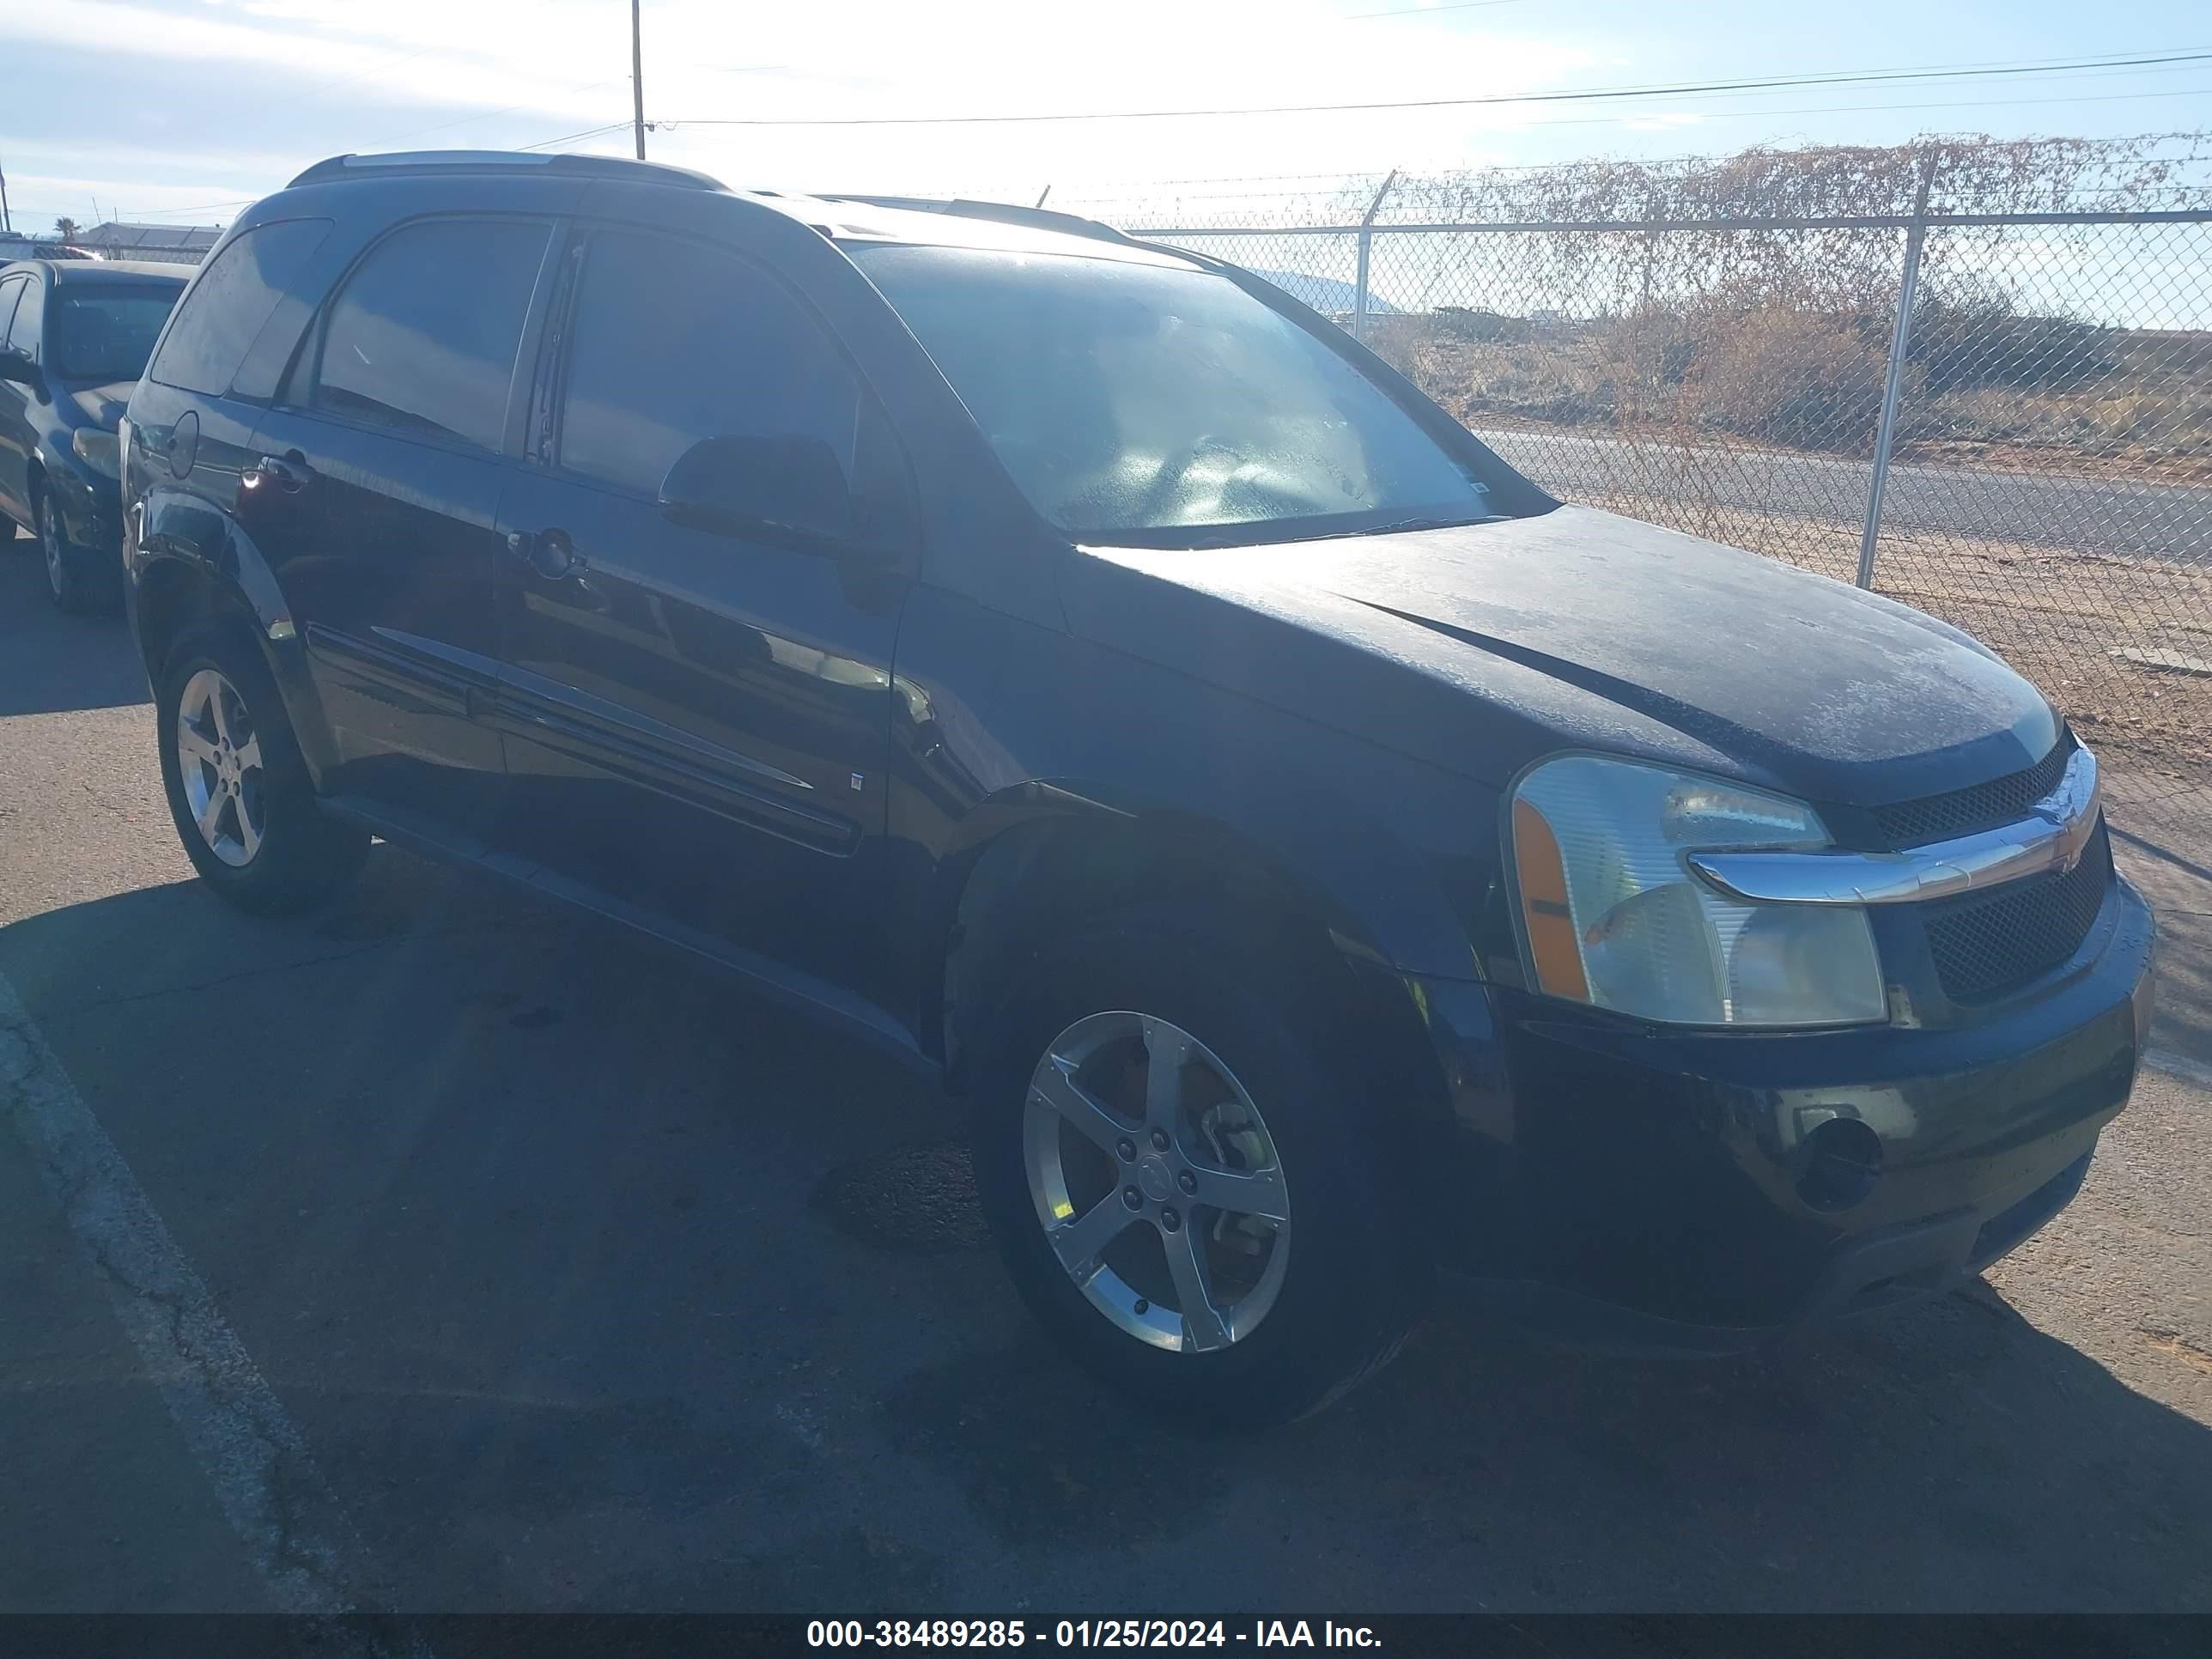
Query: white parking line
pixel 2181 1065
pixel 304 1547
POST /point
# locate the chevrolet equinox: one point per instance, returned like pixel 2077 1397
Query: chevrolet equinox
pixel 1318 856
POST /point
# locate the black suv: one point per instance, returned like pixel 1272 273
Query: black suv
pixel 74 337
pixel 1318 854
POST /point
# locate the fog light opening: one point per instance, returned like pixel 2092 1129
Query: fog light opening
pixel 1844 1157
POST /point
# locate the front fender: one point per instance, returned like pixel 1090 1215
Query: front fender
pixel 1003 723
pixel 1384 899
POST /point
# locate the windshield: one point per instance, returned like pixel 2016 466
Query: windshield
pixel 107 333
pixel 1161 404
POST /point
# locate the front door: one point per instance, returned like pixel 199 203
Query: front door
pixel 375 498
pixel 698 724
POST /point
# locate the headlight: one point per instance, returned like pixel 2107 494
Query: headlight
pixel 1612 916
pixel 99 451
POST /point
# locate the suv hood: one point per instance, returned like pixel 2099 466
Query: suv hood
pixel 1484 646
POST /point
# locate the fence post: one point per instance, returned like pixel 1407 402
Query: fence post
pixel 1900 342
pixel 1366 240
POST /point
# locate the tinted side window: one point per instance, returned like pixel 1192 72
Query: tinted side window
pixel 422 336
pixel 674 343
pixel 228 304
pixel 23 332
pixel 10 292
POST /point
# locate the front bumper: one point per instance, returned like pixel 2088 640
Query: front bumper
pixel 91 509
pixel 1698 1190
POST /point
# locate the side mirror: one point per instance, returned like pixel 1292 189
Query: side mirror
pixel 789 490
pixel 14 366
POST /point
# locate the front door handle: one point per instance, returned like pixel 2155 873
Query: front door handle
pixel 289 473
pixel 548 553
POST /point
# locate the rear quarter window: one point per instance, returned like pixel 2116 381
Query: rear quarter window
pixel 23 332
pixel 11 291
pixel 228 307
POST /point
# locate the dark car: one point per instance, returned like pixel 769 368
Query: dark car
pixel 1072 666
pixel 75 335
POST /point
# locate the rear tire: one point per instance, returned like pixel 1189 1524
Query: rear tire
pixel 1262 1033
pixel 239 791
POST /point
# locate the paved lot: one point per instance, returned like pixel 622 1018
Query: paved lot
pixel 563 1275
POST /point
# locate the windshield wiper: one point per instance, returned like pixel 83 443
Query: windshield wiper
pixel 1396 525
pixel 1204 538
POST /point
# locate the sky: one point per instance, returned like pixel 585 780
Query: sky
pixel 184 111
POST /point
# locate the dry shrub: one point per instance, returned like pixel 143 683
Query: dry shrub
pixel 1785 377
pixel 1802 380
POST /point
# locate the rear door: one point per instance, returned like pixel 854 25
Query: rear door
pixel 376 492
pixel 698 724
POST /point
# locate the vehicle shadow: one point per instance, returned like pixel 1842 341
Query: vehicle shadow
pixel 51 662
pixel 593 1283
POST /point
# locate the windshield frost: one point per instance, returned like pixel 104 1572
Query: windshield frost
pixel 1128 399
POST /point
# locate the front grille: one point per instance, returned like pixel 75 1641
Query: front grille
pixel 1982 806
pixel 1987 944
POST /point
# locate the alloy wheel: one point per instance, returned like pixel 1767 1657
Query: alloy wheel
pixel 1156 1181
pixel 49 543
pixel 219 763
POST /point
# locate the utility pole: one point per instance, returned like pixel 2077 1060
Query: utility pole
pixel 637 79
pixel 7 225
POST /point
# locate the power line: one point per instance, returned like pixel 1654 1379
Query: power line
pixel 588 132
pixel 247 201
pixel 1587 95
pixel 566 92
pixel 1327 183
pixel 372 71
pixel 528 103
pixel 172 213
pixel 1425 11
pixel 1854 109
pixel 346 80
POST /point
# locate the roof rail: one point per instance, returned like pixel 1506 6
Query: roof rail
pixel 1068 224
pixel 491 160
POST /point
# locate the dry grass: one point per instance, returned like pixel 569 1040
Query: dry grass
pixel 2142 405
pixel 2153 407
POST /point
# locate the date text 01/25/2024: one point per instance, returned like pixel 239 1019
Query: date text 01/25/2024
pixel 1084 1633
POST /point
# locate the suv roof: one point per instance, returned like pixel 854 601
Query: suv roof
pixel 950 221
pixel 350 166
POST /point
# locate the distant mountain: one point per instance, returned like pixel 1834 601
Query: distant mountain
pixel 1324 293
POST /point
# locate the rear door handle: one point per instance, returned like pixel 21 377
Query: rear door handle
pixel 548 553
pixel 289 473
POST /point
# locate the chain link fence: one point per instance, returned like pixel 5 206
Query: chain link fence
pixel 1976 377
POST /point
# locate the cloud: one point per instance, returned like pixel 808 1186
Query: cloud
pixel 335 75
pixel 118 197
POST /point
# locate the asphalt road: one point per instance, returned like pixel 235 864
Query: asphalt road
pixel 448 1254
pixel 2125 517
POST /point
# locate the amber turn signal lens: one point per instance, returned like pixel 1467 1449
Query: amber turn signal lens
pixel 1551 924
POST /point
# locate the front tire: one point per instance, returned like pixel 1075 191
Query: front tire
pixel 237 790
pixel 72 583
pixel 1223 1243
